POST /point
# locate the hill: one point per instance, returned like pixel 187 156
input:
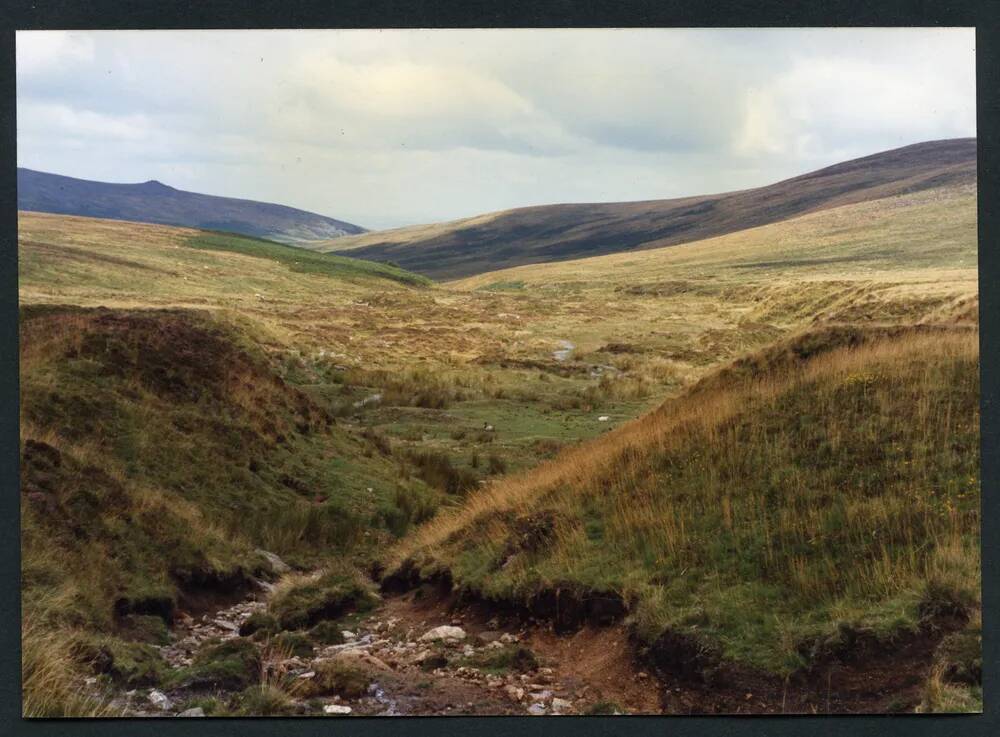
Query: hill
pixel 571 231
pixel 154 202
pixel 817 505
pixel 188 396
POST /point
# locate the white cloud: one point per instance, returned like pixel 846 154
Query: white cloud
pixel 43 50
pixel 390 127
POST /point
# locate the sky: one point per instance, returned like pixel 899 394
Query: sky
pixel 390 128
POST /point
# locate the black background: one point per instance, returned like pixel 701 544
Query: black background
pixel 135 14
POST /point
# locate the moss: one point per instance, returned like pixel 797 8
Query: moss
pixel 335 593
pixel 259 622
pixel 327 633
pixel 509 658
pixel 294 643
pixel 133 664
pixel 337 677
pixel 960 657
pixel 231 665
pixel 603 708
pixel 144 628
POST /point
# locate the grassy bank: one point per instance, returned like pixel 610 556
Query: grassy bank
pixel 159 450
pixel 757 515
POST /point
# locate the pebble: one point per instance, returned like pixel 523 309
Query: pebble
pixel 336 709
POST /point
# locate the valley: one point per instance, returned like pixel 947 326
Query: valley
pixel 716 475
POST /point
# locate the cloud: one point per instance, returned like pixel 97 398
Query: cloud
pixel 389 127
pixel 39 51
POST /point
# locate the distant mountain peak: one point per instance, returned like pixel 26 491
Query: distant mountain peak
pixel 153 201
pixel 156 184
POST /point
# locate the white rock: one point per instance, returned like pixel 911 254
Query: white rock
pixel 444 632
pixel 195 712
pixel 348 635
pixel 308 674
pixel 561 704
pixel 603 418
pixel 468 651
pixel 159 699
pixel 536 710
pixel 508 638
pixel 336 709
pixel 277 564
pixel 226 625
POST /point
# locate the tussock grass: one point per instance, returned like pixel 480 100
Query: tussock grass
pixel 52 680
pixel 760 513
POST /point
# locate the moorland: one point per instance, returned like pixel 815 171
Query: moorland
pixel 726 463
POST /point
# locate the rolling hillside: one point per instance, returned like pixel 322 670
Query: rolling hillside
pixel 542 437
pixel 571 231
pixel 155 202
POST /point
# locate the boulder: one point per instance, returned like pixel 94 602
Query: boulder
pixel 446 633
pixel 195 712
pixel 159 700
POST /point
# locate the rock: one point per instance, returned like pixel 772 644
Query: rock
pixel 561 704
pixel 307 675
pixel 514 692
pixel 266 587
pixel 468 651
pixel 603 418
pixel 195 712
pixel 336 709
pixel 444 632
pixel 541 695
pixel 277 564
pixel 226 625
pixel 485 638
pixel 348 635
pixel 536 710
pixel 159 700
pixel 508 638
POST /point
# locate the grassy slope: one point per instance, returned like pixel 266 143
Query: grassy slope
pixel 560 232
pixel 759 512
pixel 449 359
pixel 161 447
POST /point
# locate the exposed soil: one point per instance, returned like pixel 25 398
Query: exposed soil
pixel 593 669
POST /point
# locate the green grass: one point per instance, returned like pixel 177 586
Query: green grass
pixel 304 602
pixel 187 420
pixel 760 515
pixel 304 261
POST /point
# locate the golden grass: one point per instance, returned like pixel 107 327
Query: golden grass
pixel 718 467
